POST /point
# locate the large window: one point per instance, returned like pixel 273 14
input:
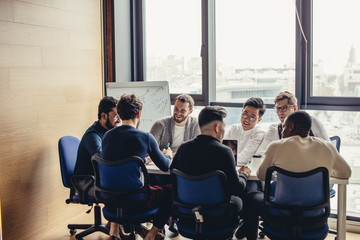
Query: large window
pixel 173 44
pixel 227 51
pixel 255 49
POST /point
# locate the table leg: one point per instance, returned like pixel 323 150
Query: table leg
pixel 341 220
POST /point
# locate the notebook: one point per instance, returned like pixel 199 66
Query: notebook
pixel 232 143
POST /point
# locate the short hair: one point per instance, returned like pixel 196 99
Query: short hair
pixel 256 103
pixel 211 113
pixel 186 98
pixel 286 95
pixel 106 105
pixel 129 106
pixel 301 121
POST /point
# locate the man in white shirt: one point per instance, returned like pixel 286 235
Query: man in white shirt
pixel 286 103
pixel 247 133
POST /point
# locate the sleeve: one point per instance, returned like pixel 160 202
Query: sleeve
pixel 92 143
pixel 318 129
pixel 251 146
pixel 340 168
pixel 161 161
pixel 228 133
pixel 196 129
pixel 266 162
pixel 157 131
pixel 270 136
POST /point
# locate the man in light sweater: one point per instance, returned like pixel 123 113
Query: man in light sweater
pixel 248 134
pixel 286 103
pixel 295 152
pixel 172 131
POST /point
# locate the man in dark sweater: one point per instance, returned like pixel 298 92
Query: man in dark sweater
pixel 91 140
pixel 206 153
pixel 127 140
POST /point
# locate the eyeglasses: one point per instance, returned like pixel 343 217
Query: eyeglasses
pixel 283 108
pixel 245 115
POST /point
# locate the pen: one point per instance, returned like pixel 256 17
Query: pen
pixel 167 145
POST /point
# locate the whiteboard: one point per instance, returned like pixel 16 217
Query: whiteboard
pixel 155 97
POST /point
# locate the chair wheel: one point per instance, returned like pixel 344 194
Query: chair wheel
pixel 261 235
pixel 72 231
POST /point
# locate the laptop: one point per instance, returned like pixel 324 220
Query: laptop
pixel 233 144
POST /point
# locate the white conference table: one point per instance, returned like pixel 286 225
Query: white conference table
pixel 341 197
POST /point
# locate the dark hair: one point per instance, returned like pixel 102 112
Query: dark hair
pixel 106 105
pixel 129 106
pixel 301 121
pixel 211 113
pixel 186 98
pixel 256 103
pixel 286 95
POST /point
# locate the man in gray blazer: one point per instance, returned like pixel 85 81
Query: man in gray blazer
pixel 172 131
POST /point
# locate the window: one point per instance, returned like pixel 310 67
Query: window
pixel 255 49
pixel 347 126
pixel 173 44
pixel 336 47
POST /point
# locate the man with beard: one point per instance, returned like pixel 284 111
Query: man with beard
pixel 172 131
pixel 91 143
pixel 91 140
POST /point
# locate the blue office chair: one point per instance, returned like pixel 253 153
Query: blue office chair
pixel 202 205
pixel 124 196
pixel 297 205
pixel 68 147
pixel 336 141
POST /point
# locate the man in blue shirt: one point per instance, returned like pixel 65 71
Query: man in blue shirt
pixel 127 140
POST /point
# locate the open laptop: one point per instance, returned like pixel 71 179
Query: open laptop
pixel 233 144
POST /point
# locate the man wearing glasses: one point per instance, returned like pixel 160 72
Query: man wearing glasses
pixel 286 103
pixel 248 134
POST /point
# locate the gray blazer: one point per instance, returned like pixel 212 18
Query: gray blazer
pixel 163 130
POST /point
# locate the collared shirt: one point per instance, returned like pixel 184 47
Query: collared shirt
pixel 248 141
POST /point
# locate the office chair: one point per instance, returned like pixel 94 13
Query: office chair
pixel 124 197
pixel 336 141
pixel 68 147
pixel 297 205
pixel 202 205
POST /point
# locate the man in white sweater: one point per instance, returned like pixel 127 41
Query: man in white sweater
pixel 286 103
pixel 295 152
pixel 247 133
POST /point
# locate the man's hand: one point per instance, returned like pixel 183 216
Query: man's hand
pixel 168 152
pixel 245 169
pixel 148 160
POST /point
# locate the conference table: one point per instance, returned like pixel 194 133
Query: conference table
pixel 341 197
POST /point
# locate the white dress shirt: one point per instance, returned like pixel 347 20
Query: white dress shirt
pixel 248 141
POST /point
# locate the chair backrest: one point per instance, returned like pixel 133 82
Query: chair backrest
pixel 208 191
pixel 68 148
pixel 336 141
pixel 296 198
pixel 122 183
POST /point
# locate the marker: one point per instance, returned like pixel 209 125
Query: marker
pixel 168 145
